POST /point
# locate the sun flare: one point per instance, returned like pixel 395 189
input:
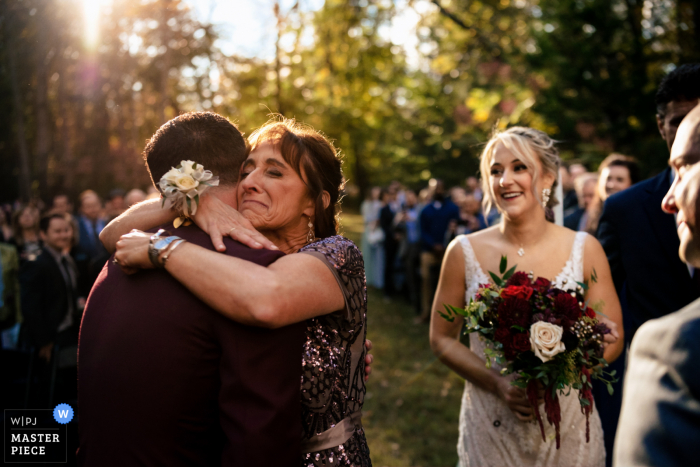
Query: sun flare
pixel 91 18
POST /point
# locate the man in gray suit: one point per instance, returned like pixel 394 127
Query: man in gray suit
pixel 660 419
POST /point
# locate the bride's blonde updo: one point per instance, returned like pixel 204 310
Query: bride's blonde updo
pixel 528 145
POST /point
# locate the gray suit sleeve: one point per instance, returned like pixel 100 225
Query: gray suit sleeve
pixel 660 418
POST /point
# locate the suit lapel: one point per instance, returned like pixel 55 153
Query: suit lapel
pixel 663 225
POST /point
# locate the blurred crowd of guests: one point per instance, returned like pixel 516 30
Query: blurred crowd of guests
pixel 50 257
pixel 406 231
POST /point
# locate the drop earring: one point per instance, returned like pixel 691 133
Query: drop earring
pixel 311 236
pixel 545 197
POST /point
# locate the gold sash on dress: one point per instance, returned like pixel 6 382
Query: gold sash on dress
pixel 335 436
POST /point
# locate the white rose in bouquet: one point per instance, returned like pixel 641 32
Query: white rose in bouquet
pixel 545 340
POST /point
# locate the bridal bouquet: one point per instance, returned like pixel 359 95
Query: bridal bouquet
pixel 182 185
pixel 546 335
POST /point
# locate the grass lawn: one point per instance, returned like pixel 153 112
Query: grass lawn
pixel 411 409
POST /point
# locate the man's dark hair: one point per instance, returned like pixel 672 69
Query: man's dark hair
pixel 204 137
pixel 45 221
pixel 683 83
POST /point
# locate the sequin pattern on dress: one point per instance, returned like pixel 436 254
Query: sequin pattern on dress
pixel 332 382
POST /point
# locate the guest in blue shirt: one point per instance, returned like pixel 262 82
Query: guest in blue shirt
pixel 434 220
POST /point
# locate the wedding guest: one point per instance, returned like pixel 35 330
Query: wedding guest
pixel 570 201
pixel 133 197
pixel 25 233
pixel 585 191
pixel 434 220
pixel 10 311
pixel 617 172
pixel 576 170
pixel 49 290
pixel 660 419
pixel 115 204
pixel 61 204
pixel 289 188
pixel 391 243
pixel 407 222
pixel 373 239
pixel 90 255
pixel 638 237
pixel 470 219
pixel 5 227
pixel 473 187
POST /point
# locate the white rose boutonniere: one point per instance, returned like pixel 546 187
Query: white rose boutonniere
pixel 182 185
pixel 545 340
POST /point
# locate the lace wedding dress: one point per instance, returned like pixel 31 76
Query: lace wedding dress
pixel 489 433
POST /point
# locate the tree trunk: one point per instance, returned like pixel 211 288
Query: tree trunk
pixel 43 133
pixel 167 60
pixel 25 188
pixel 278 91
pixel 359 168
pixel 67 160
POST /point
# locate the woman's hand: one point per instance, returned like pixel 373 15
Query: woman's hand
pixel 515 398
pixel 611 337
pixel 132 252
pixel 219 220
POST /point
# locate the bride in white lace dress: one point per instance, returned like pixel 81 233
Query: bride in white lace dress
pixel 496 425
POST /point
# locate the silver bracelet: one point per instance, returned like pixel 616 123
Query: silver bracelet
pixel 170 250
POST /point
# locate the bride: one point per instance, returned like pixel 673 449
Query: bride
pixel 496 427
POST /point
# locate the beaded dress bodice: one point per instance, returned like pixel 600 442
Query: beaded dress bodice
pixel 489 433
pixel 332 382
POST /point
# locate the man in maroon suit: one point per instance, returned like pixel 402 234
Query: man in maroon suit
pixel 163 378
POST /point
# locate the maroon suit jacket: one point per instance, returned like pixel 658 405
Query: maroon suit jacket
pixel 165 380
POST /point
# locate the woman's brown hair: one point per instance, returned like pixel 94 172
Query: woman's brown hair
pixel 303 147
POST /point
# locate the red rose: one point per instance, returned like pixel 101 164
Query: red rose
pixel 517 291
pixel 521 342
pixel 519 278
pixel 590 313
pixel 541 284
pixel 514 312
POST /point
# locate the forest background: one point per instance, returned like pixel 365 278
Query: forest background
pixel 83 84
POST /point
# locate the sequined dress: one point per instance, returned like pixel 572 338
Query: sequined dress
pixel 489 433
pixel 332 383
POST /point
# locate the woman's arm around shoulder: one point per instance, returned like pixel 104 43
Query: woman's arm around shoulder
pixel 141 216
pixel 601 290
pixel 294 288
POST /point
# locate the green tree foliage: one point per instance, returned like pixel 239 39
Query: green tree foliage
pixel 584 71
pixel 89 107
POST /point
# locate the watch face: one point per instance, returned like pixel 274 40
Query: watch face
pixel 163 242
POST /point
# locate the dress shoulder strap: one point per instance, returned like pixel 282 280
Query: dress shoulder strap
pixel 469 256
pixel 473 275
pixel 577 255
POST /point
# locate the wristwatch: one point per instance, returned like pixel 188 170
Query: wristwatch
pixel 158 245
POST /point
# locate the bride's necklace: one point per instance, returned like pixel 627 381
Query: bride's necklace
pixel 521 250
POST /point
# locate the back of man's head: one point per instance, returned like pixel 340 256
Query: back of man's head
pixel 204 137
pixel 682 84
